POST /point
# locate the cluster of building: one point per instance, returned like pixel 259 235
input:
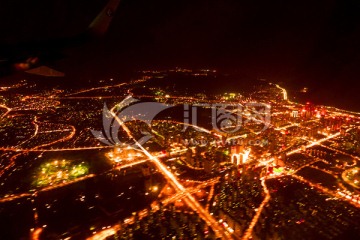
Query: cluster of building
pixel 297 211
pixel 166 223
pixel 236 200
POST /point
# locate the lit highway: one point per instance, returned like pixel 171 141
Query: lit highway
pixel 189 200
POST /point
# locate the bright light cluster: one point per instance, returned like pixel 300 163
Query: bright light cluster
pixel 59 171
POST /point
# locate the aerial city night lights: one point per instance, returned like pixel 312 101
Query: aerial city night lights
pixel 170 152
pixel 286 177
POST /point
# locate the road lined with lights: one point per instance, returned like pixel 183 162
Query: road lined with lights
pixel 8 110
pixel 285 96
pixel 35 132
pixel 342 152
pixel 189 199
pixel 312 144
pixel 112 230
pixel 338 194
pixel 191 190
pixel 96 88
pixel 14 149
pixel 248 232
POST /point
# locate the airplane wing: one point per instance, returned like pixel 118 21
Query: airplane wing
pixel 26 57
pixel 46 71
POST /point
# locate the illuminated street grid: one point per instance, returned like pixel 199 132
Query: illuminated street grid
pixel 297 178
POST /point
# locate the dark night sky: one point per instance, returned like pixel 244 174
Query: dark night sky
pixel 302 43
